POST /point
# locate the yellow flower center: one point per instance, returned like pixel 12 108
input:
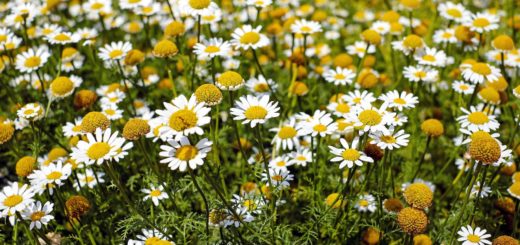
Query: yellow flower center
pixel 473 238
pixel 61 86
pixel 343 108
pixel 370 117
pixel 199 4
pixel 363 203
pixel 388 139
pixel 261 87
pixel 62 37
pixel 186 152
pixel 250 38
pixel 76 128
pixel 13 200
pixel 454 12
pixel 54 175
pixel 110 112
pixel 212 49
pixel 28 112
pixel 97 6
pixel 481 68
pixel 134 1
pixel 301 158
pixel 32 62
pixel 478 118
pixel 183 119
pixel 277 177
pixel 339 76
pixel 481 22
pixel 287 132
pixel 319 128
pixel 155 193
pixel 400 101
pixel 36 216
pixel 463 87
pixel 428 57
pixel 250 204
pixel 152 241
pixel 89 179
pixel 255 112
pixel 281 163
pixel 305 29
pixel 115 53
pixel 350 154
pixel 420 74
pixel 98 150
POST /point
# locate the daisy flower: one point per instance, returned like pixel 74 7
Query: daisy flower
pixel 470 236
pixel 252 203
pixel 479 72
pixel 259 3
pixel 72 129
pixel 32 59
pixel 462 87
pixel 445 36
pixel 115 51
pixel 112 112
pixel 357 98
pixel 399 101
pixel 155 194
pixel 340 108
pixel 260 85
pixel 476 189
pixel 183 117
pixel 54 174
pixel 452 11
pixel 409 45
pixel 381 27
pixel 133 4
pixel 254 110
pixel 62 38
pixel 181 154
pixel 339 76
pixel 348 155
pixel 280 178
pixel 475 120
pixel 366 203
pixel 286 136
pixel 359 48
pixel 280 162
pixel 301 157
pixel 305 27
pixel 243 216
pixel 369 118
pixel 150 236
pixel 88 179
pixel 321 123
pixel 15 198
pixel 481 22
pixel 420 73
pixel 31 112
pixel 390 140
pixel 432 57
pixel 214 47
pixel 196 8
pixel 38 215
pixel 101 146
pixel 247 37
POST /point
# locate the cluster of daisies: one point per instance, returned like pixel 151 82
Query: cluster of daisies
pixel 239 115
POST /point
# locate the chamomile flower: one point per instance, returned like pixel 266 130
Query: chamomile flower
pixel 260 85
pixel 280 178
pixel 432 57
pixel 214 47
pixel 247 37
pixel 280 162
pixel 115 51
pixel 420 73
pixel 101 146
pixel 349 155
pixel 399 101
pixel 150 236
pixel 366 203
pixel 32 59
pixel 243 216
pixel 475 120
pixel 340 108
pixel 15 198
pixel 254 110
pixel 133 4
pixel 479 72
pixel 470 236
pixel 358 98
pixel 486 190
pixel 182 154
pixel 251 202
pixel 305 27
pixel 183 117
pixel 300 157
pixel 390 140
pixel 452 11
pixel 481 22
pixel 339 76
pixel 196 8
pixel 369 118
pixel 462 87
pixel 359 48
pixel 409 45
pixel 112 112
pixel 286 136
pixel 444 36
pixel 38 215
pixel 155 193
pixel 62 38
pixel 89 180
pixel 51 175
pixel 31 112
pixel 321 123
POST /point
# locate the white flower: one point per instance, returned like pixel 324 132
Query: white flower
pixel 339 76
pixel 247 37
pixel 183 117
pixel 180 154
pixel 420 73
pixel 155 194
pixel 214 47
pixel 286 135
pixel 431 56
pixel 301 157
pixel 476 189
pixel 321 123
pixel 62 38
pixel 359 48
pixel 38 215
pixel 479 72
pixel 54 174
pixel 390 140
pixel 462 87
pixel 451 11
pixel 475 120
pixel 133 4
pixel 115 51
pixel 31 112
pixel 261 85
pixel 15 198
pixel 254 110
pixel 366 203
pixel 349 155
pixel 101 146
pixel 481 22
pixel 31 60
pixel 280 178
pixel 150 235
pixel 470 236
pixel 305 27
pixel 370 118
pixel 88 179
pixel 280 162
pixel 357 98
pixel 196 8
pixel 399 101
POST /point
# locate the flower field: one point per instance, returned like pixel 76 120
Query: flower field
pixel 259 122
